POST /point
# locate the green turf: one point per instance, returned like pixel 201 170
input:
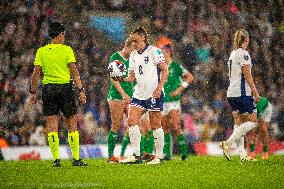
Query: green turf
pixel 197 172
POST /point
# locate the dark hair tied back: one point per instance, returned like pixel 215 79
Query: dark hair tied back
pixel 55 28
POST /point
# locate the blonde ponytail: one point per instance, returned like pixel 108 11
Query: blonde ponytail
pixel 239 38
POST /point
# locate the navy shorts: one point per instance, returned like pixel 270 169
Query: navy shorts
pixel 242 104
pixel 150 104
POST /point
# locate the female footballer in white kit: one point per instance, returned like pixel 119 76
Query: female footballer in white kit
pixel 147 66
pixel 241 94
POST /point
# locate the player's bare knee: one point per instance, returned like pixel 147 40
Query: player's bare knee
pixel 155 126
pixel 115 127
pixel 177 131
pixel 166 129
pixel 72 123
pixel 131 121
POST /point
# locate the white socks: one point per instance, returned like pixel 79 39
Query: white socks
pixel 240 143
pixel 159 142
pixel 135 138
pixel 241 131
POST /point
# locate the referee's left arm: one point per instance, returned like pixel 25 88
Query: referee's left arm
pixel 34 81
pixel 76 77
pixel 35 77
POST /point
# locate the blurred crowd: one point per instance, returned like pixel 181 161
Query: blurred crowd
pixel 202 32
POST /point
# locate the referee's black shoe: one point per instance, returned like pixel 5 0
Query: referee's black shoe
pixel 56 163
pixel 78 162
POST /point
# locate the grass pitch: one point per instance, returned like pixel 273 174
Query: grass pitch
pixel 197 172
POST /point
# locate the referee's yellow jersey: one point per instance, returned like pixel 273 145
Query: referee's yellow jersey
pixel 54 61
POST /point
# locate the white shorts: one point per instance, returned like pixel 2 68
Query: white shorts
pixel 169 106
pixel 267 113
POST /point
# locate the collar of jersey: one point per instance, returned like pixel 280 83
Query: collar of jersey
pixel 143 50
pixel 54 45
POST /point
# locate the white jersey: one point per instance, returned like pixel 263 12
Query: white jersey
pixel 147 73
pixel 238 85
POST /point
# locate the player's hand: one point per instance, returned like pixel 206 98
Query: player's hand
pixel 157 92
pixel 175 93
pixel 32 98
pixel 126 98
pixel 82 98
pixel 256 96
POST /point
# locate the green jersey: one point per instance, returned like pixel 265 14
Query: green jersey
pixel 176 72
pixel 54 61
pixel 126 86
pixel 261 106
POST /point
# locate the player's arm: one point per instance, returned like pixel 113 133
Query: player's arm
pixel 164 75
pixel 35 77
pixel 130 78
pixel 248 77
pixel 131 74
pixel 120 90
pixel 164 69
pixel 187 79
pixel 76 78
pixel 34 81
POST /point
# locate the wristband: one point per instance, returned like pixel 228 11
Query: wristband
pixel 184 84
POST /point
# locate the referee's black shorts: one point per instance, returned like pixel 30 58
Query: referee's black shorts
pixel 58 97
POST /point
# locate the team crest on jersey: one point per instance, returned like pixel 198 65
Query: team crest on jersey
pixel 159 52
pixel 246 57
pixel 146 59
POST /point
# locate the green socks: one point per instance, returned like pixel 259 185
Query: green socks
pixel 251 147
pixel 73 140
pixel 167 145
pixel 182 143
pixel 265 148
pixel 124 143
pixel 149 142
pixel 112 137
pixel 146 144
pixel 142 145
pixel 53 142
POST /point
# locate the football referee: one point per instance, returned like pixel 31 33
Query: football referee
pixel 57 63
